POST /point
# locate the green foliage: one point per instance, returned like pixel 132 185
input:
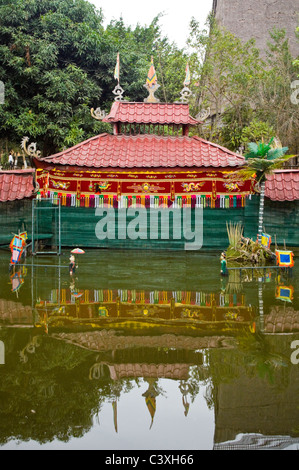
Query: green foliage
pixel 248 94
pixel 47 49
pixel 136 46
pixel 258 150
pixel 4 162
pixel 57 62
pixel 228 71
pixel 262 159
pixel 256 131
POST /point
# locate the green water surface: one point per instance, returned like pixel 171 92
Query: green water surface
pixel 144 350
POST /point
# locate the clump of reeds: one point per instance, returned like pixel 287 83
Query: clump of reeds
pixel 235 233
pixel 243 249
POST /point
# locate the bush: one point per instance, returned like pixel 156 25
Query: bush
pixel 4 162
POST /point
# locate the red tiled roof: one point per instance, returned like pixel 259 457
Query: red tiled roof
pixel 150 113
pixel 283 185
pixel 16 184
pixel 146 151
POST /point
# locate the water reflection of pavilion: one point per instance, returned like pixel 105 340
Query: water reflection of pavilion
pixel 264 414
pixel 99 304
pixel 111 308
pixel 150 364
pixel 142 334
pixel 154 335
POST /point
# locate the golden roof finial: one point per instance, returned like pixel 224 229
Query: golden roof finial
pixel 151 84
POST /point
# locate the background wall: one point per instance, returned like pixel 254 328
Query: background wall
pixel 255 18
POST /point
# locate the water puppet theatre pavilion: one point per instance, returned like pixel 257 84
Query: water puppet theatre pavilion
pixel 150 159
pixel 154 157
pixel 143 166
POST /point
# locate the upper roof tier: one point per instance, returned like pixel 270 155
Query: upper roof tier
pixel 146 151
pixel 150 113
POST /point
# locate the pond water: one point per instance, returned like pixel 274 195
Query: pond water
pixel 143 351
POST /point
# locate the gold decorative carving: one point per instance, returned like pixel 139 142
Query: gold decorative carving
pixel 192 186
pixel 145 188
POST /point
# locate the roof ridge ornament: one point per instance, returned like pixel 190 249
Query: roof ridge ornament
pixel 186 93
pixel 203 114
pixel 118 90
pixel 31 149
pixel 151 84
pixel 98 114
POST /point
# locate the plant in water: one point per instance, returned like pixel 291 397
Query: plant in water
pixel 243 249
pixel 235 233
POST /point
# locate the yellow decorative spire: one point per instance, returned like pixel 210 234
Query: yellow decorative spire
pixel 114 406
pixel 151 84
pixel 151 76
pixel 150 398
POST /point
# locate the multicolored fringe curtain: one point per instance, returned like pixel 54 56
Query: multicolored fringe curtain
pixel 133 296
pixel 149 201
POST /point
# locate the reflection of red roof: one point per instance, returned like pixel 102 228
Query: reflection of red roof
pixel 165 371
pixel 16 184
pixel 146 151
pixel 150 113
pixel 283 185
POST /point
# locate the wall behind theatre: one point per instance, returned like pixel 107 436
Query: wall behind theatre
pixel 255 18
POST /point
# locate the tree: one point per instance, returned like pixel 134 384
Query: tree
pixel 261 160
pixel 136 46
pixel 241 88
pixel 228 72
pixel 49 55
pixel 57 62
pixel 256 131
pixel 273 103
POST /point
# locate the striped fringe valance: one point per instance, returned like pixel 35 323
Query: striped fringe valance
pixel 94 201
pixel 133 296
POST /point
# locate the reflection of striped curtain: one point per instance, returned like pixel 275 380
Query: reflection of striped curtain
pixel 158 297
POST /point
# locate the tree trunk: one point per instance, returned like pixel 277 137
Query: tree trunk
pixel 261 212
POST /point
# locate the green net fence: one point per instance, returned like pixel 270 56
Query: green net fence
pixel 51 226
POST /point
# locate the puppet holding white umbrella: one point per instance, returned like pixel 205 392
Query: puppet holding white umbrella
pixel 72 259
